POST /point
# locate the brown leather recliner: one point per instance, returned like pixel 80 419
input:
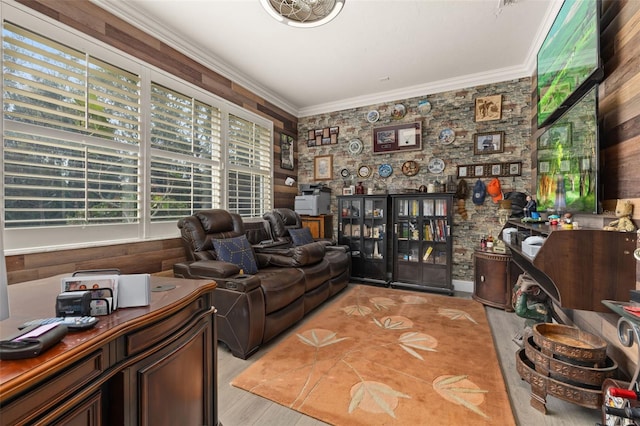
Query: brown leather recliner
pixel 253 309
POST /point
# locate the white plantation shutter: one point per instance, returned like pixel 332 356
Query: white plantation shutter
pixel 70 149
pixel 87 141
pixel 250 167
pixel 185 160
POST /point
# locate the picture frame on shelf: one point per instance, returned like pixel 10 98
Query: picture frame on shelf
pixel 286 152
pixel 478 170
pixel 496 169
pixel 488 108
pixel 347 191
pixel 323 167
pixel 397 138
pixel 488 143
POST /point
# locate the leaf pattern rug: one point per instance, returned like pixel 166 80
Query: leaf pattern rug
pixel 380 356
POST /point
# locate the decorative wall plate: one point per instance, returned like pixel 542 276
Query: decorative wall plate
pixel 424 106
pixel 385 170
pixel 345 173
pixel 373 116
pixel 410 168
pixel 355 146
pixel 364 171
pixel 447 136
pixel 436 165
pixel 398 111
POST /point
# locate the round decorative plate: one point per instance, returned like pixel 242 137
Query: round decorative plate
pixel 355 146
pixel 385 170
pixel 410 168
pixel 424 106
pixel 345 173
pixel 436 165
pixel 398 111
pixel 364 171
pixel 447 136
pixel 373 116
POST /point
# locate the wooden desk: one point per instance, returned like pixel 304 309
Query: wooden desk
pixel 152 365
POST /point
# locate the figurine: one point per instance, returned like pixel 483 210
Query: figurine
pixel 530 207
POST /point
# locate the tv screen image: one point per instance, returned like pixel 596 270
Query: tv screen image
pixel 567 160
pixel 569 58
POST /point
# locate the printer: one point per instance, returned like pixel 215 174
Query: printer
pixel 315 200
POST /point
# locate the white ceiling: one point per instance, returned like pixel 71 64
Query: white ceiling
pixel 374 51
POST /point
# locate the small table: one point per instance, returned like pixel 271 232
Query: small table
pixel 494 278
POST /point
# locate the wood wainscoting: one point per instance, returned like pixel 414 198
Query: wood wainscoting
pixel 155 257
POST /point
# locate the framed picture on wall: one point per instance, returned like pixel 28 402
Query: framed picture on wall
pixel 488 143
pixel 488 108
pixel 286 152
pixel 403 137
pixel 323 167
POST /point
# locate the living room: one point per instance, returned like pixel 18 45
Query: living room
pixel 618 150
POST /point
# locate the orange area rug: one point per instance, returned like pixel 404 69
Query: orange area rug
pixel 380 356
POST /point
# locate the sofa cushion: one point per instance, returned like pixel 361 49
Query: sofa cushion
pixel 300 236
pixel 237 251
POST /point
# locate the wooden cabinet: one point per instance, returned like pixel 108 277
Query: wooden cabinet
pixel 320 226
pixel 494 278
pixel 152 365
pixel 578 268
pixel 362 225
pixel 422 242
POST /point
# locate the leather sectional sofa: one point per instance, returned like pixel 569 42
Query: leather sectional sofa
pixel 287 283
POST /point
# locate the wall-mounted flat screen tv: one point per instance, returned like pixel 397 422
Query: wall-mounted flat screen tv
pixel 568 160
pixel 569 58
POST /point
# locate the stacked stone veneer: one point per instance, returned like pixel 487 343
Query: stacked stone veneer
pixel 454 110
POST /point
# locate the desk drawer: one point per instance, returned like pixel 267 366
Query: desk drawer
pixel 50 396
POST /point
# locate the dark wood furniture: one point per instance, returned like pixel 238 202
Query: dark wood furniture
pixel 320 226
pixel 578 268
pixel 422 242
pixel 153 365
pixel 494 278
pixel 362 225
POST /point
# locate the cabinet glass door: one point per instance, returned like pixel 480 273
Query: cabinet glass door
pixel 374 230
pixel 435 238
pixel 349 225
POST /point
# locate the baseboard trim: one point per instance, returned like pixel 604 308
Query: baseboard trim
pixel 465 286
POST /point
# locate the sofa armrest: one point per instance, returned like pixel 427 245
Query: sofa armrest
pixel 307 254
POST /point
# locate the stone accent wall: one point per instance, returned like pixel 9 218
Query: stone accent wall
pixel 453 109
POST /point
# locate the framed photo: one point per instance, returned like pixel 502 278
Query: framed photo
pixel 463 171
pixel 488 108
pixel 565 165
pixel 496 169
pixel 488 143
pixel 478 171
pixel 286 152
pixel 347 191
pixel 323 167
pixel 585 164
pixel 515 169
pixel 402 137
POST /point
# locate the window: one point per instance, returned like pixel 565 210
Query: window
pixel 249 167
pixel 113 149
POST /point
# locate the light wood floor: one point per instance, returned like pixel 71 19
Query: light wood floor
pixel 237 407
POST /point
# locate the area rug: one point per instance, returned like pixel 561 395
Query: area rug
pixel 380 356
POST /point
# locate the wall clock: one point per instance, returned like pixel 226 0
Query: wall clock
pixel 410 168
pixel 364 171
pixel 355 146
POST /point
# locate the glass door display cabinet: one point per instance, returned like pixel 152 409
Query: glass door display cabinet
pixel 422 244
pixel 362 225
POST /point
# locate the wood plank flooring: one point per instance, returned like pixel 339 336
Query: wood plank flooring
pixel 237 407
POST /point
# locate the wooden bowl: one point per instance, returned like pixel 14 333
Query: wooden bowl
pixel 570 343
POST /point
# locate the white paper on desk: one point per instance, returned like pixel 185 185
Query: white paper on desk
pixel 134 290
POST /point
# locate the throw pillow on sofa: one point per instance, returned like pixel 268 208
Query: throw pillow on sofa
pixel 237 251
pixel 300 236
